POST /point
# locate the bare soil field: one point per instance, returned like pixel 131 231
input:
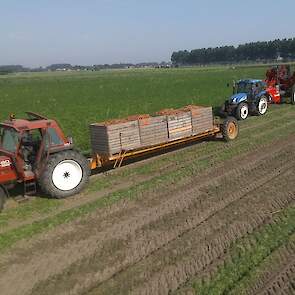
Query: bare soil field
pixel 211 218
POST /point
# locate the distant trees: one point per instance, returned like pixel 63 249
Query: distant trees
pixel 55 67
pixel 255 51
pixel 12 69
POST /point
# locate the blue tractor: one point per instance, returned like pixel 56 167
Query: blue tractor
pixel 249 97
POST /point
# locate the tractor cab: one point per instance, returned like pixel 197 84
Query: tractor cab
pixel 25 145
pixel 244 90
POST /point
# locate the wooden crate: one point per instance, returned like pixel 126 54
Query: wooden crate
pixel 114 138
pixel 153 130
pixel 202 119
pixel 179 125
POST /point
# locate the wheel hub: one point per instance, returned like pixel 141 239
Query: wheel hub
pixel 244 112
pixel 67 175
pixel 232 130
pixel 262 106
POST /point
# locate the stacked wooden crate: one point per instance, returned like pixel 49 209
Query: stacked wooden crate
pixel 179 125
pixel 110 139
pixel 202 118
pixel 141 131
pixel 153 130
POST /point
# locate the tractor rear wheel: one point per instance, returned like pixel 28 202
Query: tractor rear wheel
pixel 230 129
pixel 66 174
pixel 2 198
pixel 293 95
pixel 242 111
pixel 262 105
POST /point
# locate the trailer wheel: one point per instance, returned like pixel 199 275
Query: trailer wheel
pixel 262 105
pixel 66 174
pixel 242 111
pixel 230 129
pixel 2 198
pixel 293 96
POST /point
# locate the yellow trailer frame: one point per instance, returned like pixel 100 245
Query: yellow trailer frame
pixel 98 161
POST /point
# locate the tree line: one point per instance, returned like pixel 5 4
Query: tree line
pixel 8 69
pixel 255 51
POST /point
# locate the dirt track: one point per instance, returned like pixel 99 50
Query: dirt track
pixel 159 241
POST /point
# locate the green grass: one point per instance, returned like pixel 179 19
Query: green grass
pixel 247 254
pixel 38 206
pixel 271 262
pixel 77 99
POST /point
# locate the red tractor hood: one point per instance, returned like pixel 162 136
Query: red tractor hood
pixel 7 171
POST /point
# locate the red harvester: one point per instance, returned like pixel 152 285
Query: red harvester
pixel 281 78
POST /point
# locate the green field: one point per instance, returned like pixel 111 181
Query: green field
pixel 79 98
pixel 207 218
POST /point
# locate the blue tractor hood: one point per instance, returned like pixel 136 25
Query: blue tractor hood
pixel 238 97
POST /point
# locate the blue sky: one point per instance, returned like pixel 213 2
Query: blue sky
pixel 41 32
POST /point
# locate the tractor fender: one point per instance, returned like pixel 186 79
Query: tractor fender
pixel 263 93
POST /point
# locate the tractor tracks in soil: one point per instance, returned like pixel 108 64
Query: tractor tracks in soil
pixel 170 266
pixel 283 282
pixel 153 244
pixel 279 276
pixel 131 180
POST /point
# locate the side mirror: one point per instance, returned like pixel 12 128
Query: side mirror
pixel 227 85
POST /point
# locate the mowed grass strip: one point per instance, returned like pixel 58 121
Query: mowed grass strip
pixel 38 206
pixel 247 254
pixel 7 239
pixel 272 262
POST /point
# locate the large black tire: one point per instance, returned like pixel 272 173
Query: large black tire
pixel 2 198
pixel 293 95
pixel 262 105
pixel 65 174
pixel 242 111
pixel 230 129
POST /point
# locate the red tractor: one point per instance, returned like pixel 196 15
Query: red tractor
pixel 35 151
pixel 281 79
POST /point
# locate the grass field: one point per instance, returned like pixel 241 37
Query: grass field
pixel 209 218
pixel 77 99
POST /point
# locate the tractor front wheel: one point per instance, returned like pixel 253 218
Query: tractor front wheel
pixel 2 198
pixel 242 111
pixel 262 105
pixel 230 129
pixel 66 174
